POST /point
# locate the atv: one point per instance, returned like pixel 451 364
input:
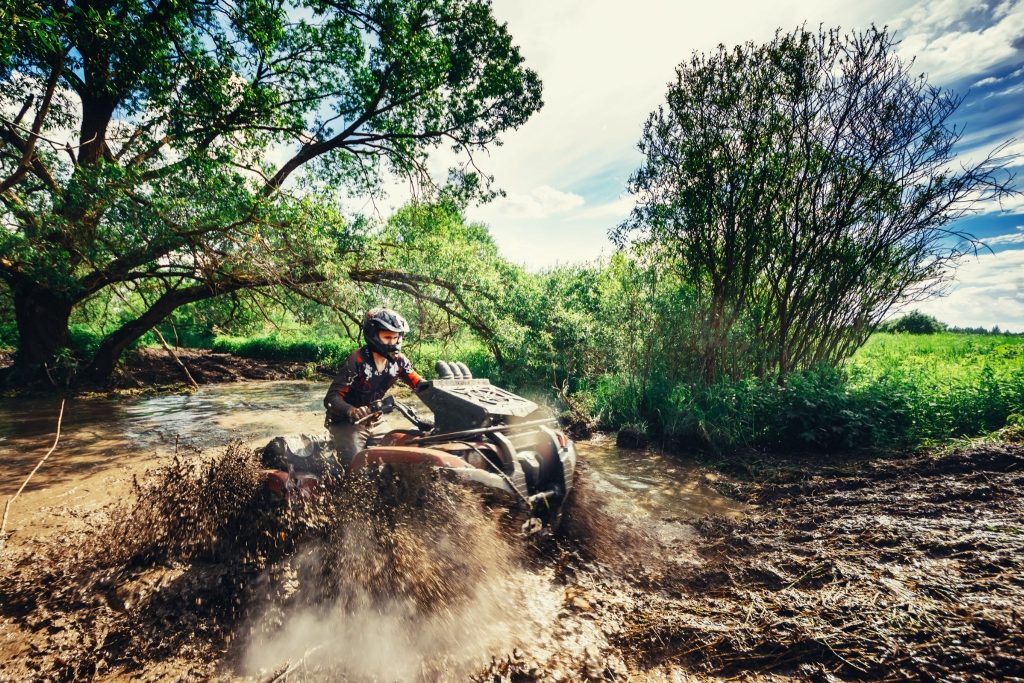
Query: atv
pixel 481 435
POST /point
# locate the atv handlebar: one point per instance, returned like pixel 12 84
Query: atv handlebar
pixel 388 404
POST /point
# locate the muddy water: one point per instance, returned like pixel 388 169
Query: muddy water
pixel 103 435
pixel 105 442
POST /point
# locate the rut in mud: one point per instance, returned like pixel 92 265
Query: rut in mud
pixel 900 569
pixel 904 569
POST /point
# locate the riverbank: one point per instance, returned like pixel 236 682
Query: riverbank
pixel 154 369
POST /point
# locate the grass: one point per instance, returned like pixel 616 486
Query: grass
pixel 898 392
pixel 326 350
pixel 957 384
pixel 331 352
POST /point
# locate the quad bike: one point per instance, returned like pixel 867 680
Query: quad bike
pixel 482 435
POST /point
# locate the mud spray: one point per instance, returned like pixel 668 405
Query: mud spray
pixel 385 576
pixel 899 569
pixel 411 581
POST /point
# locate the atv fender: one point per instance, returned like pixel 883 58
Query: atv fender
pixel 406 455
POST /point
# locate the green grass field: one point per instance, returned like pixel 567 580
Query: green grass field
pixel 955 384
pixel 952 356
pixel 898 392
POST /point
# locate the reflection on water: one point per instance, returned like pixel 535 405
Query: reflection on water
pixel 666 487
pixel 100 432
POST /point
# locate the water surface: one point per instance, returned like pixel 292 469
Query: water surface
pixel 104 433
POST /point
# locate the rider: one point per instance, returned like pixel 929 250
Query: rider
pixel 365 377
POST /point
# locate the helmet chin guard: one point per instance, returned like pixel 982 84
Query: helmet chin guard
pixel 384 319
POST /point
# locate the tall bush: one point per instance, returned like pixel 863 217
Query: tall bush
pixel 802 187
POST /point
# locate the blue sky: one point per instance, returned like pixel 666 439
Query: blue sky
pixel 605 66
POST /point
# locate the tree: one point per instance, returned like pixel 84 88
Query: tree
pixel 433 255
pixel 177 150
pixel 803 187
pixel 915 322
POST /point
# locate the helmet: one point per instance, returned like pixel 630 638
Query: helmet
pixel 378 319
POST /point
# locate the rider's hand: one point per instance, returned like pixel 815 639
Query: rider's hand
pixel 422 385
pixel 358 412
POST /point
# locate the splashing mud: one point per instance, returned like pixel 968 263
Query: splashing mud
pixel 364 581
pixel 909 569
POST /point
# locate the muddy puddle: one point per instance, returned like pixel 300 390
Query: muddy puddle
pixel 103 435
pixel 899 569
pixel 367 621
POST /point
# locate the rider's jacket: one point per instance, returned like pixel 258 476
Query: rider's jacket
pixel 360 383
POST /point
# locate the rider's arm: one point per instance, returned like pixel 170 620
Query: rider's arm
pixel 335 401
pixel 406 373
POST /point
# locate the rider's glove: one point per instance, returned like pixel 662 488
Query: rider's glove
pixel 357 412
pixel 422 385
pixel 337 409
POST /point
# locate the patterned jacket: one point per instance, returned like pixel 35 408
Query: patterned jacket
pixel 360 383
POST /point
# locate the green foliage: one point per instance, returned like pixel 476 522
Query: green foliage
pixel 799 188
pixel 472 352
pixel 897 392
pixel 8 335
pixel 330 352
pixel 84 340
pixel 914 322
pixel 811 410
pixel 171 197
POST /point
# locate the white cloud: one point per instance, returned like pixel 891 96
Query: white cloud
pixel 615 211
pixel 995 79
pixel 1006 205
pixel 989 290
pixel 939 36
pixel 1004 9
pixel 940 15
pixel 539 202
pixel 1012 90
pixel 1011 238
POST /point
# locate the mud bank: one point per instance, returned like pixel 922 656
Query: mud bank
pixel 884 569
pixel 154 368
pixel 891 569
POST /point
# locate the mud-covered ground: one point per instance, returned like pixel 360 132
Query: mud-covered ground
pixel 895 569
pixel 898 569
pixel 151 367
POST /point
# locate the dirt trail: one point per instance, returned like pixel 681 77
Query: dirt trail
pixel 899 569
pixel 888 569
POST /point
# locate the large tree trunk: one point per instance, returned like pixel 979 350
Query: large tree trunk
pixel 115 344
pixel 110 351
pixel 42 318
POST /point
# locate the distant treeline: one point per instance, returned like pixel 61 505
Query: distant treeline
pixel 916 322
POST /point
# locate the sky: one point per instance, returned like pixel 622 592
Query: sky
pixel 606 65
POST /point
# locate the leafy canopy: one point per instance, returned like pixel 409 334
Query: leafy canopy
pixel 186 149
